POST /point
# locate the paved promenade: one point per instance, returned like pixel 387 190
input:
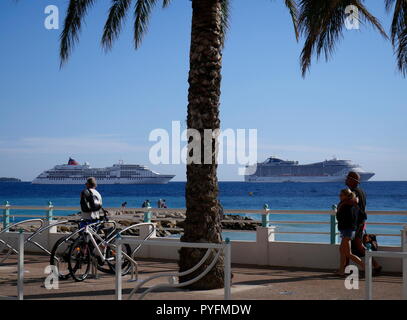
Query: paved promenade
pixel 248 283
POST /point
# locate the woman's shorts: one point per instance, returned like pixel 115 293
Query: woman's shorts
pixel 347 233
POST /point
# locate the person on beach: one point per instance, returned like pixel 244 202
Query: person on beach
pixel 91 201
pixel 160 204
pixel 119 212
pixel 347 216
pixel 146 204
pixel 353 183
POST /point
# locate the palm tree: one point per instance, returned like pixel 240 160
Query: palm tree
pixel 209 24
pixel 320 21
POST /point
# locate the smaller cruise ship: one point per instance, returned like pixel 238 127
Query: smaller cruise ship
pixel 120 173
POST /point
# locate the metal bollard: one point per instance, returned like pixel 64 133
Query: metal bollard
pixel 404 249
pixel 6 215
pixel 50 212
pixel 333 223
pixel 228 269
pixel 20 267
pixel 368 276
pixel 148 215
pixel 265 217
pixel 119 268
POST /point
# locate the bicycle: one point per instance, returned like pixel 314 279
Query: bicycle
pixel 94 244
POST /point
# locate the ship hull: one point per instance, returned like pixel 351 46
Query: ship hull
pixel 365 176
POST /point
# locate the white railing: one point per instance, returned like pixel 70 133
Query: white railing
pixel 224 247
pixel 150 215
pixel 368 269
pixel 385 254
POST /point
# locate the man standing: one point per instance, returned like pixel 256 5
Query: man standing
pixel 91 201
pixel 353 181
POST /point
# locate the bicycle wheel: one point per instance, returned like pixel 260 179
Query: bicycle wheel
pixel 60 256
pixel 79 259
pixel 111 259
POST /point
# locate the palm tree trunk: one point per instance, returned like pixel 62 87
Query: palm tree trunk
pixel 202 222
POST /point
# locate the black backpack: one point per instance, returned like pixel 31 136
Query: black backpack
pixel 88 202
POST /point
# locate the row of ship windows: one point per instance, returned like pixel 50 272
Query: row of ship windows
pixel 97 176
pixel 295 170
pixel 103 178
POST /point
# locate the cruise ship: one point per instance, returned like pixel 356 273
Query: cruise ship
pixel 121 173
pixel 278 170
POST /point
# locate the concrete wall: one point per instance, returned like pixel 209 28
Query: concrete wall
pixel 264 251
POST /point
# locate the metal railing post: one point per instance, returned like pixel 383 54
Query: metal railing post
pixel 404 249
pixel 6 215
pixel 368 274
pixel 334 228
pixel 50 212
pixel 119 269
pixel 266 216
pixel 147 215
pixel 228 269
pixel 20 267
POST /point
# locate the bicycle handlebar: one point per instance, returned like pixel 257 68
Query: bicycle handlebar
pixel 104 218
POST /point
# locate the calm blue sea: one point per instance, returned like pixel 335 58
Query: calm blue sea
pixel 233 195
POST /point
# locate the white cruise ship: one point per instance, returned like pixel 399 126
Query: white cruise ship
pixel 277 170
pixel 121 173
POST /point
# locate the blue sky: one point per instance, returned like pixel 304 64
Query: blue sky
pixel 101 107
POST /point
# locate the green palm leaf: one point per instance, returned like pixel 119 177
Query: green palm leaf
pixel 142 17
pixel 292 8
pixel 114 21
pixel 77 10
pixel 322 23
pixel 225 7
pixel 399 32
pixel 166 3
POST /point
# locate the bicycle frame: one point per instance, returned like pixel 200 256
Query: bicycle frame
pixel 93 236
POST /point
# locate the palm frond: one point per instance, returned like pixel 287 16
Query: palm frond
pixel 76 11
pixel 166 3
pixel 321 22
pixel 399 32
pixel 114 22
pixel 225 8
pixel 292 7
pixel 142 17
pixel 402 52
